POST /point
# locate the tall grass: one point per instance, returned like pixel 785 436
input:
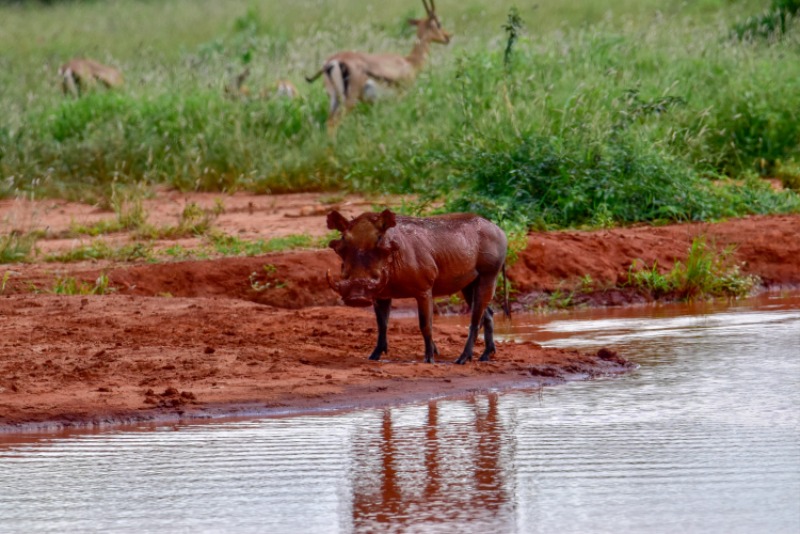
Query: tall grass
pixel 606 112
pixel 706 273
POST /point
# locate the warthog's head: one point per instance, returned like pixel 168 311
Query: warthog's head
pixel 366 255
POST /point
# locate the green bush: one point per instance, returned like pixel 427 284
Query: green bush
pixel 773 23
pixel 594 114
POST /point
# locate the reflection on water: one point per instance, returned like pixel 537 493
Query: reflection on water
pixel 704 437
pixel 442 463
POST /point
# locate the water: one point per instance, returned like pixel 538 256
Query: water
pixel 703 437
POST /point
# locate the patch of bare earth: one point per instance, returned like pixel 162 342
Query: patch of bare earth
pixel 227 341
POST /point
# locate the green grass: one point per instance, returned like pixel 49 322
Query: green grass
pixel 215 245
pixel 706 273
pixel 564 114
pixel 69 285
pixel 17 247
pixel 773 23
pixel 227 245
pixel 100 250
pixel 270 281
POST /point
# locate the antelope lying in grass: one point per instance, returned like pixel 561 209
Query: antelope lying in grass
pixel 78 75
pixel 236 88
pixel 351 76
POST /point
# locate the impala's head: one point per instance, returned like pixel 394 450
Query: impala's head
pixel 430 29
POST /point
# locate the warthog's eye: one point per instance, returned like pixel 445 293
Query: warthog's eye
pixel 337 245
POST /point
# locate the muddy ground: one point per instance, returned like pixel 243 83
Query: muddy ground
pixel 203 338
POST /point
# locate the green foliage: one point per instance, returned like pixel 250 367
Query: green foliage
pixel 129 214
pixel 228 245
pixel 542 181
pixel 100 250
pixel 560 299
pixel 651 279
pixel 759 128
pixel 194 221
pixel 16 247
pixel 513 26
pixel 69 285
pixel 270 282
pixel 217 244
pixel 705 273
pixel 598 114
pixel 789 175
pixel 771 24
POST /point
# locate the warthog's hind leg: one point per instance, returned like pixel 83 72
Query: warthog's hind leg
pixel 425 310
pixel 488 335
pixel 478 295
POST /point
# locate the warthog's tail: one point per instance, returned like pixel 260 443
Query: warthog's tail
pixel 506 307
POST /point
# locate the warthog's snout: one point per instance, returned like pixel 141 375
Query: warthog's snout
pixel 358 293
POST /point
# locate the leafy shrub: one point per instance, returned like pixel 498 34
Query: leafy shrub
pixel 705 273
pixel 773 23
pixel 548 183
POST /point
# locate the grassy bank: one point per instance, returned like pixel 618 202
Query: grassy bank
pixel 600 113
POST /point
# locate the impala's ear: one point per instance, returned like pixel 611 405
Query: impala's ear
pixel 336 221
pixel 414 22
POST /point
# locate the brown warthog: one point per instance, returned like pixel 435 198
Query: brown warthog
pixel 385 256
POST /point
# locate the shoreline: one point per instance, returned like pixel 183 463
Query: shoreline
pixel 358 398
pixel 246 361
pixel 199 339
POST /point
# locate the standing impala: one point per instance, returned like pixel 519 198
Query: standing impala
pixel 79 74
pixel 350 76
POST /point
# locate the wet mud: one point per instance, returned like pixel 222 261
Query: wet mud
pixel 208 338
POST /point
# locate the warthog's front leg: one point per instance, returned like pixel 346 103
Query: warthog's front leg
pixel 382 309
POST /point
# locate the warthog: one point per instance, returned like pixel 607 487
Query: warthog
pixel 386 256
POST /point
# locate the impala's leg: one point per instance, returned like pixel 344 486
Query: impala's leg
pixel 370 91
pixel 382 309
pixel 68 84
pixel 334 110
pixel 355 83
pixel 425 309
pixel 482 291
pixel 335 86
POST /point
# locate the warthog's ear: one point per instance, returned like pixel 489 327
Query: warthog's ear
pixel 386 220
pixel 336 221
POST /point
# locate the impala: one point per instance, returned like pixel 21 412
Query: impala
pixel 351 76
pixel 236 88
pixel 79 74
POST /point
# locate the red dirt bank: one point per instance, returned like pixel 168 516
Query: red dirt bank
pixel 219 346
pixel 79 360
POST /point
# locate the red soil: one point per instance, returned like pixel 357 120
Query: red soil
pixel 197 339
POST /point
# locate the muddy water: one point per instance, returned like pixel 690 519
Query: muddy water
pixel 703 437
